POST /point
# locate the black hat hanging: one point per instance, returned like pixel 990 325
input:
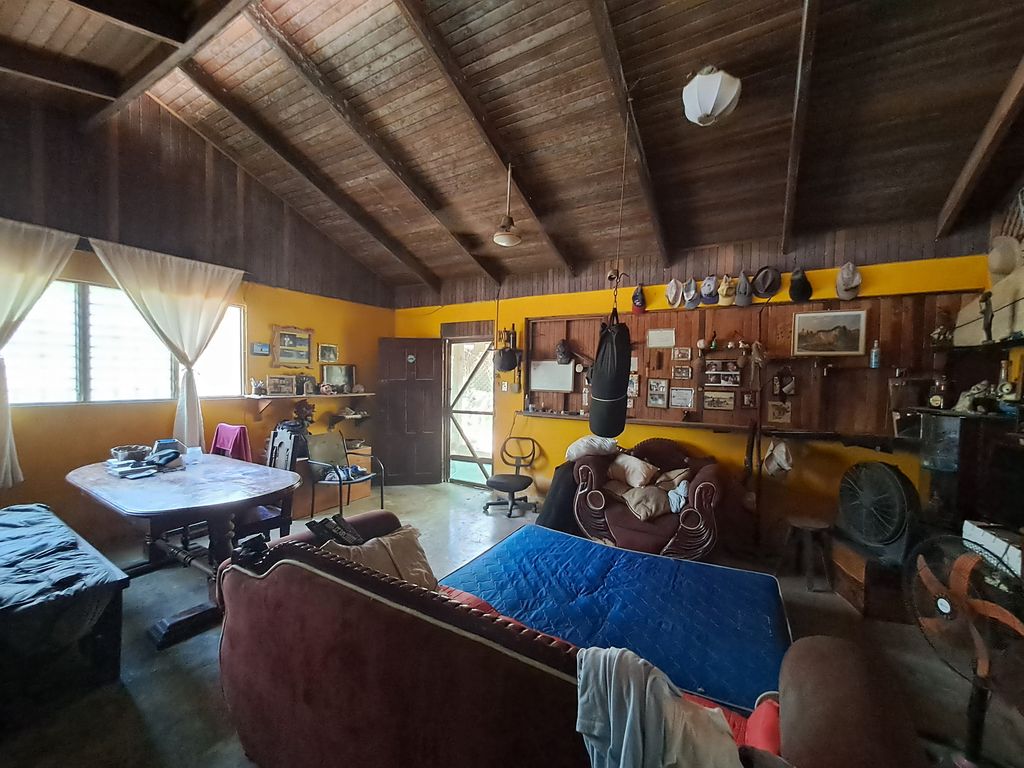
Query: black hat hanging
pixel 639 302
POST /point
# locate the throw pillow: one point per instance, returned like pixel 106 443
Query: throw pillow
pixel 632 471
pixel 647 503
pixel 671 479
pixel 592 445
pixel 395 554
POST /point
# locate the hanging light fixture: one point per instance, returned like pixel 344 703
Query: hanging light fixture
pixel 711 94
pixel 506 235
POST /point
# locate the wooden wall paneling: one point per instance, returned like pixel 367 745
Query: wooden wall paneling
pixel 15 192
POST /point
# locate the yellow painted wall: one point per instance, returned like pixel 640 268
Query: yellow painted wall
pixel 813 483
pixel 54 439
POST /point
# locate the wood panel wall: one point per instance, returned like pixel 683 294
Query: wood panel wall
pixel 147 180
pixel 862 245
pixel 833 394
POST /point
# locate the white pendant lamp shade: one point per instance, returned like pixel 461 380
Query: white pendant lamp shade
pixel 711 94
pixel 506 235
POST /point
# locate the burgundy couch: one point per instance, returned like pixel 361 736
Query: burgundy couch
pixel 712 493
pixel 325 662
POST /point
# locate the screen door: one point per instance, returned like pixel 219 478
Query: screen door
pixel 470 410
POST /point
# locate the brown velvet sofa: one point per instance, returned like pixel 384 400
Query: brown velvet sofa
pixel 327 663
pixel 712 493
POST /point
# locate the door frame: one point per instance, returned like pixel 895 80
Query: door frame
pixel 447 419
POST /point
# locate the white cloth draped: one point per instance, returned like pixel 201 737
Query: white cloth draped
pixel 183 301
pixel 30 258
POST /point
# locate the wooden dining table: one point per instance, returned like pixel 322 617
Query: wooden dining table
pixel 203 496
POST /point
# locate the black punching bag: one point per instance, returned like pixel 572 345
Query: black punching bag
pixel 609 379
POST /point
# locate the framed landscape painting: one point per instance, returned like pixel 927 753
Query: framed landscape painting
pixel 829 334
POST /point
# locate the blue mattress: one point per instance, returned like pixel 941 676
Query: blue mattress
pixel 717 632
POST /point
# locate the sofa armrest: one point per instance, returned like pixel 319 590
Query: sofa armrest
pixel 707 488
pixel 837 710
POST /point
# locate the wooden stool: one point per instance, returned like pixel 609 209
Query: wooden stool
pixel 805 533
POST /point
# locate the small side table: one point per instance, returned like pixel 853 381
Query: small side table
pixel 807 534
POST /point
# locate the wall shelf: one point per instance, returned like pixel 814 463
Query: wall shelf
pixel 263 401
pixel 643 422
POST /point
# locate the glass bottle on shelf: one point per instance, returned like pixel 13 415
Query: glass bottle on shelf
pixel 941 393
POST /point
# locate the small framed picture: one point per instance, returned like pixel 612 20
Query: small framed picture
pixel 327 353
pixel 680 397
pixel 749 398
pixel 280 385
pixel 682 372
pixel 661 338
pixel 682 354
pixel 629 403
pixel 633 388
pixel 259 348
pixel 719 401
pixel 657 393
pixel 634 364
pixel 780 412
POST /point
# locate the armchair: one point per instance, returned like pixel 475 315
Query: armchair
pixel 691 534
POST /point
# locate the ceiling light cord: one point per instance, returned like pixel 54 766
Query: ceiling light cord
pixel 508 193
pixel 622 197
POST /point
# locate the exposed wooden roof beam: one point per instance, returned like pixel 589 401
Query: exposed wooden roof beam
pixel 808 31
pixel 416 16
pixel 304 168
pixel 213 16
pixel 1007 109
pixel 613 65
pixel 306 69
pixel 59 71
pixel 146 18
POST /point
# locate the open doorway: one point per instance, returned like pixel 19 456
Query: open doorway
pixel 469 410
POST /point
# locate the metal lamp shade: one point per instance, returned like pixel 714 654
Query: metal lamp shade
pixel 711 94
pixel 506 235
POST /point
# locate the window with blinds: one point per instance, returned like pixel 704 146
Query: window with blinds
pixel 86 342
pixel 42 356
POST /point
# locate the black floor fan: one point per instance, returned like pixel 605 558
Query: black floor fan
pixel 968 604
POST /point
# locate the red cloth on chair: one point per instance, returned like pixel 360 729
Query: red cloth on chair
pixel 231 440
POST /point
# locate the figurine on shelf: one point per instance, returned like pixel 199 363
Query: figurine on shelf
pixel 259 387
pixel 942 336
pixel 985 309
pixel 326 389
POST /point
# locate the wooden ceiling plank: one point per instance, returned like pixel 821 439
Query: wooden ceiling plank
pixel 59 71
pixel 613 66
pixel 300 165
pixel 808 32
pixel 212 18
pixel 434 44
pixel 307 70
pixel 1007 109
pixel 146 18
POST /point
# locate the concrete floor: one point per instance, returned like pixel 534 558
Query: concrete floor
pixel 168 710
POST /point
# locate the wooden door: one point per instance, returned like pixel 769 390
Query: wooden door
pixel 410 407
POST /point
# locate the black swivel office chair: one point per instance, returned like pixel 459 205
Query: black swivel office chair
pixel 513 484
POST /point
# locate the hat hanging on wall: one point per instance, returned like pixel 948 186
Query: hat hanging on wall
pixel 799 286
pixel 691 295
pixel 709 290
pixel 778 460
pixel 727 291
pixel 639 302
pixel 1004 257
pixel 711 94
pixel 767 282
pixel 674 293
pixel 848 281
pixel 744 291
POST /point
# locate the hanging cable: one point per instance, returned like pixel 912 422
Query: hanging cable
pixel 622 197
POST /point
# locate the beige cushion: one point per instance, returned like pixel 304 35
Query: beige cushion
pixel 396 554
pixel 670 480
pixel 615 488
pixel 647 503
pixel 632 471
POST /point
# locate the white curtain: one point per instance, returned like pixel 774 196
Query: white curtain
pixel 183 301
pixel 30 258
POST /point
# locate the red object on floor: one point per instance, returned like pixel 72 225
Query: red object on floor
pixel 231 440
pixel 760 730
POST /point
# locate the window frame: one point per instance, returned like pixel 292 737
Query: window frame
pixel 83 361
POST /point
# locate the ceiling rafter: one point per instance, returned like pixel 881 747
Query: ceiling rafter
pixel 294 159
pixel 613 65
pixel 68 74
pixel 213 16
pixel 416 16
pixel 808 32
pixel 1007 109
pixel 303 66
pixel 146 18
